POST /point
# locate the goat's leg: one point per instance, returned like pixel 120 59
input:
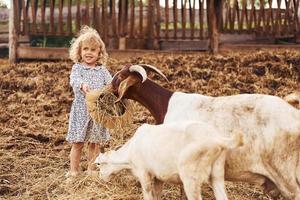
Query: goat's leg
pixel 270 188
pixel 194 169
pixel 158 187
pixel 288 186
pixel 217 177
pixel 147 184
pixel 182 193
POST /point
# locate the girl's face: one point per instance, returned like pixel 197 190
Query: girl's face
pixel 89 53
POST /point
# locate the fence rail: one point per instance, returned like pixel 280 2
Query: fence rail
pixel 154 19
pixel 271 17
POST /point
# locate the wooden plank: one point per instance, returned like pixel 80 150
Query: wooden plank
pixel 114 18
pixel 51 29
pixel 69 18
pixel 42 53
pixel 43 11
pixel 157 20
pixel 238 17
pixel 52 17
pixel 167 19
pixel 232 16
pixel 227 16
pixel 4 38
pixel 184 45
pixel 296 25
pixel 262 16
pixel 122 18
pixel 287 21
pixel 272 24
pixel 175 13
pixel 105 21
pixel 183 11
pixel 131 34
pixel 13 36
pixel 94 17
pixel 25 18
pixel 33 15
pixel 242 17
pixel 17 16
pixel 278 17
pixel 60 17
pixel 213 30
pixel 201 18
pixel 78 16
pixel 141 17
pixel 150 25
pixel 192 18
pixel 86 16
pixel 252 20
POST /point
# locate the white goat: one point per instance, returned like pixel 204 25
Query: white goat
pixel 187 152
pixel 271 127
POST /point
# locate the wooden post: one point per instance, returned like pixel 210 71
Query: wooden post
pixel 219 13
pixel 212 26
pixel 13 37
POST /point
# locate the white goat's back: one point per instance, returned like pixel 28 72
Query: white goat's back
pixel 165 144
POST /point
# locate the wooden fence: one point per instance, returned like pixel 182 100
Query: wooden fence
pixel 155 24
pixel 264 17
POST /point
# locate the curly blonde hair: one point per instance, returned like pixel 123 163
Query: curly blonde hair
pixel 90 35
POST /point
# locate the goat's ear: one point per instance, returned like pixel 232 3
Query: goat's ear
pixel 124 85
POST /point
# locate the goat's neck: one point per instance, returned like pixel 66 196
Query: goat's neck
pixel 152 96
pixel 121 156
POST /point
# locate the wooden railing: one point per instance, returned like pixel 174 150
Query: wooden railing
pixel 263 17
pixel 113 18
pixel 151 20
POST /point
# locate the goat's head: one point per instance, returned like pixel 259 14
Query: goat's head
pixel 131 75
pixel 109 165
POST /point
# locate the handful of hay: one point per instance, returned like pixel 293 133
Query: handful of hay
pixel 103 109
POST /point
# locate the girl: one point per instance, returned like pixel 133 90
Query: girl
pixel 88 53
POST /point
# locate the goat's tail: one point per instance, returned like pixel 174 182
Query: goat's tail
pixel 293 99
pixel 233 142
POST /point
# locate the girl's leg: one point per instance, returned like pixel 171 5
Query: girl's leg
pixel 75 156
pixel 93 152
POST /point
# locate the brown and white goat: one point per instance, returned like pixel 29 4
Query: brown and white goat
pixel 186 152
pixel 271 127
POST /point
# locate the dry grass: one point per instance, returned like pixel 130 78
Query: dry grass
pixel 35 100
pixel 104 109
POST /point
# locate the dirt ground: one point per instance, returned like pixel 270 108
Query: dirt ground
pixel 35 99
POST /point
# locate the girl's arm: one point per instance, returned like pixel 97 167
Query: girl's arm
pixel 75 78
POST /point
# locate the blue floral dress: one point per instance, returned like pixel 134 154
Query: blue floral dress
pixel 82 127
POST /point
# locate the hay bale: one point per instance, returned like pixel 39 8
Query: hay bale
pixel 103 109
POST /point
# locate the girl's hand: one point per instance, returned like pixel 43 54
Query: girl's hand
pixel 85 88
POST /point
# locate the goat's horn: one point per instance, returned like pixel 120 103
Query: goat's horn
pixel 154 69
pixel 140 70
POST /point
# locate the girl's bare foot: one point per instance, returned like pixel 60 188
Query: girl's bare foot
pixel 72 174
